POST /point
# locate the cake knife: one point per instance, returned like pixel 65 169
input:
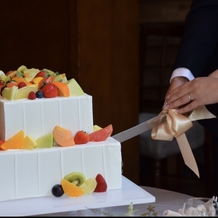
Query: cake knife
pixel 139 129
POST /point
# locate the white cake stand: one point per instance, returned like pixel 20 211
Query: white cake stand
pixel 130 192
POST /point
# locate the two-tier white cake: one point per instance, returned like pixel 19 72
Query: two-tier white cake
pixel 33 173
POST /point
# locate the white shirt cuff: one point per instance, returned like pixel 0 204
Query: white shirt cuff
pixel 182 72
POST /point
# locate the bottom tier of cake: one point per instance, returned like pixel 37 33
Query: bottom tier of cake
pixel 29 174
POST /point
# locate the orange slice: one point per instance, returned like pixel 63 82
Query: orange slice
pixel 71 189
pixel 63 137
pixel 15 142
pixel 18 79
pixel 63 89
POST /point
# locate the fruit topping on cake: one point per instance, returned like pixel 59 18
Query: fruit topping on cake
pixel 63 137
pixel 52 84
pixel 101 134
pixel 50 90
pixel 57 190
pixel 89 185
pixel 75 184
pixel 29 143
pixel 101 184
pixel 81 137
pixel 15 142
pixel 45 141
pixel 71 189
pixel 32 95
pixel 75 177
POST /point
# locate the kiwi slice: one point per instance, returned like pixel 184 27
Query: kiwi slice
pixel 77 178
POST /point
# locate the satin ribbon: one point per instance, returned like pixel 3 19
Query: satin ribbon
pixel 176 125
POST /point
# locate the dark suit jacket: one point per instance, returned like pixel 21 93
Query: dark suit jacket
pixel 199 47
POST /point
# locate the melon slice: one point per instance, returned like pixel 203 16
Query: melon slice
pixel 89 185
pixel 9 92
pixel 24 92
pixel 74 87
pixel 45 141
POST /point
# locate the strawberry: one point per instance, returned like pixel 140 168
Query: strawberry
pixel 32 95
pixel 42 74
pixel 81 137
pixel 21 85
pixel 101 184
pixel 50 90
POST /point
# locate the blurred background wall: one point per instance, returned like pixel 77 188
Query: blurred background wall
pixel 94 41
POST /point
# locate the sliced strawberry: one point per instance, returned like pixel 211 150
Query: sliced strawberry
pixel 101 184
pixel 50 90
pixel 81 137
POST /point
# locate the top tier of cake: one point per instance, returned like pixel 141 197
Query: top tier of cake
pixel 39 117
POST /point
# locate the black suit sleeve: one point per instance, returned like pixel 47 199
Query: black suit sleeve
pixel 199 46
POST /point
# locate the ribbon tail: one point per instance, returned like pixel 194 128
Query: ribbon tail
pixel 187 154
pixel 201 113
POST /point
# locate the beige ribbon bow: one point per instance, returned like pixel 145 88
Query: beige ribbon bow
pixel 176 125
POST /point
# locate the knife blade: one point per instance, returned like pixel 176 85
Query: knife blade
pixel 139 129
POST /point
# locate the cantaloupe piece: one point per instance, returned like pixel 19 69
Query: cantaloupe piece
pixel 63 137
pixel 70 189
pixel 29 143
pixel 15 142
